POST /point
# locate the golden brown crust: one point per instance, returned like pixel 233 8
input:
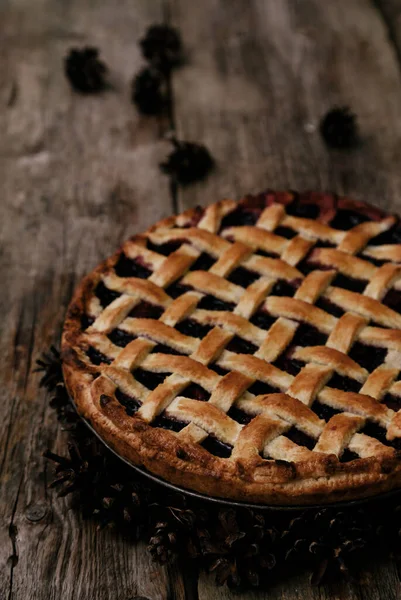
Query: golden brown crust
pixel 291 473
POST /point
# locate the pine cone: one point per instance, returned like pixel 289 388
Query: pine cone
pixel 162 46
pixel 149 91
pixel 50 365
pixel 188 162
pixel 239 548
pixel 85 72
pixel 339 128
pixel 173 534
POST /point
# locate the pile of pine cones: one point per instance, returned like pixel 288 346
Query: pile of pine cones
pixel 240 546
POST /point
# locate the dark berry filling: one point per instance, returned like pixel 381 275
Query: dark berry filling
pixel 193 328
pixel 306 335
pixel 392 236
pixel 303 209
pixel 300 438
pixel 239 415
pixel 348 455
pixel 148 379
pixel 130 404
pixel 290 365
pixel 262 319
pixel 379 433
pixel 216 447
pixel 285 232
pixel 165 422
pixel 349 283
pixel 162 349
pixel 165 249
pixel 145 310
pixel 260 388
pixel 203 262
pixel 86 321
pixel 177 289
pixel 284 288
pixel 120 338
pixel 241 346
pixel 330 307
pixel 346 384
pixel 267 254
pixel 219 370
pixel 393 300
pixel 128 267
pixel 393 402
pixel 347 219
pixel 240 216
pixel 105 295
pixel 243 277
pixel 212 303
pixel 325 412
pixel 97 357
pixel 368 357
pixel 196 392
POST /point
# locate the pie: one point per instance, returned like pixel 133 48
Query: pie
pixel 249 350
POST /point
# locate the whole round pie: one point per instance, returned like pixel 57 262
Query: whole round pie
pixel 249 350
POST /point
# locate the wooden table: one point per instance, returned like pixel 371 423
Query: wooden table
pixel 79 174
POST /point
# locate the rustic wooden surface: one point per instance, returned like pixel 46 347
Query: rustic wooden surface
pixel 79 174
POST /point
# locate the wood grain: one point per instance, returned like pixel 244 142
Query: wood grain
pixel 79 174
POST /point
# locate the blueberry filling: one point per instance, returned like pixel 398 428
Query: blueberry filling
pixel 303 210
pixel 346 384
pixel 162 349
pixel 300 438
pixel 240 216
pixel 379 433
pixel 260 388
pixel 284 288
pixel 130 404
pixel 324 412
pixel 241 346
pixel 368 357
pixel 97 357
pixel 290 365
pixel 349 283
pixel 329 307
pixel 393 300
pixel 212 303
pixel 177 289
pixel 262 319
pixel 165 249
pixel 196 392
pixel 120 338
pixel 219 370
pixel 347 219
pixel 285 232
pixel 306 335
pixel 145 310
pixel 165 422
pixel 348 455
pixel 392 236
pixel 239 416
pixel 86 321
pixel 391 401
pixel 148 379
pixel 267 254
pixel 105 295
pixel 203 262
pixel 128 267
pixel 193 328
pixel 243 277
pixel 216 447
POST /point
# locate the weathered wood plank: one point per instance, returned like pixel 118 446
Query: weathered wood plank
pixel 79 174
pixel 259 78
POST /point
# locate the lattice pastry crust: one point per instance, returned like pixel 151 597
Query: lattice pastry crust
pixel 249 350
